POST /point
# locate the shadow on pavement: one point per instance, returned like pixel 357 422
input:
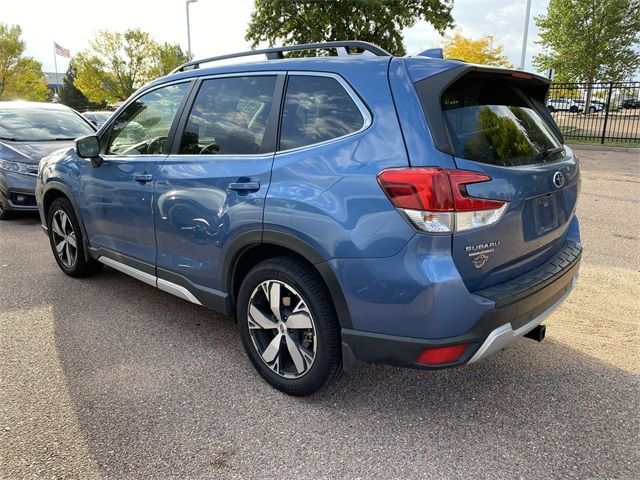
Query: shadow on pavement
pixel 162 386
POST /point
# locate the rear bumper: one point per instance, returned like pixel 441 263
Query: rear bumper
pixel 520 305
pixel 505 335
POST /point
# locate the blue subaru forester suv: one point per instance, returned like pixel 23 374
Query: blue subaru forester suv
pixel 354 208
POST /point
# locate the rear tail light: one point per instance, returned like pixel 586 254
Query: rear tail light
pixel 441 355
pixel 436 200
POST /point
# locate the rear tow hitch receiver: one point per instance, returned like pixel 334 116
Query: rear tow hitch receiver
pixel 537 333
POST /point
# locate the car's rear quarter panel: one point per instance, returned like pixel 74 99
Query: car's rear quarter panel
pixel 327 195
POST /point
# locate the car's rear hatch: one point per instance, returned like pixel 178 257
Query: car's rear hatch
pixel 495 122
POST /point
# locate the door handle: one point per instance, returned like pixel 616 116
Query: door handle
pixel 142 177
pixel 245 186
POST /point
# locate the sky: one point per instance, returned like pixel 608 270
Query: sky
pixel 219 26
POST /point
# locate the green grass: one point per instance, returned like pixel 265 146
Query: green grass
pixel 616 143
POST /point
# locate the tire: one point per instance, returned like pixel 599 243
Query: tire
pixel 592 109
pixel 573 109
pixel 551 108
pixel 4 214
pixel 64 231
pixel 295 346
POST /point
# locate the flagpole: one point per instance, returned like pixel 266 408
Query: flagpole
pixel 55 63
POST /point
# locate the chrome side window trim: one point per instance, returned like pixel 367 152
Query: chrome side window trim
pixel 257 73
pixel 140 93
pixel 124 106
pixel 364 110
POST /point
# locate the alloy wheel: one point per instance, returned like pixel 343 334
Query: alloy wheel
pixel 282 329
pixel 64 238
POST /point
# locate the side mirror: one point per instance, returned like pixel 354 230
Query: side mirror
pixel 89 147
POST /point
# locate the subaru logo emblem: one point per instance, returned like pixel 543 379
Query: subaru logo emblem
pixel 558 179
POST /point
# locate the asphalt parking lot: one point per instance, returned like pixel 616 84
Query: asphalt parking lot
pixel 109 378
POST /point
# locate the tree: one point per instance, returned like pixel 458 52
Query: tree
pixel 20 77
pixel 589 40
pixel 481 51
pixel 115 65
pixel 71 96
pixel 376 21
pixel 168 57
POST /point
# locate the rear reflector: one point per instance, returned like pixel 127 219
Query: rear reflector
pixel 441 355
pixel 436 200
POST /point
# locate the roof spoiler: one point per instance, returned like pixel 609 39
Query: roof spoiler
pixel 432 53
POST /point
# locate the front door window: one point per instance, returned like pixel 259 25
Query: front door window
pixel 143 127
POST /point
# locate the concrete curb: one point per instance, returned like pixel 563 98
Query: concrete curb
pixel 604 148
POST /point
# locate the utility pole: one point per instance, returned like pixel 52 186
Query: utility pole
pixel 525 34
pixel 189 29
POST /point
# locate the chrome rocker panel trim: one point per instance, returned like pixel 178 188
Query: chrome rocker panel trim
pixel 132 272
pixel 504 335
pixel 177 290
pixel 152 280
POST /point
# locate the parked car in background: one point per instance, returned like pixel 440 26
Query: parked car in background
pixel 629 103
pixel 594 106
pixel 28 132
pixel 98 118
pixel 410 211
pixel 561 105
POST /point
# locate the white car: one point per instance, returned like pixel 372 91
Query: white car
pixel 594 106
pixel 561 104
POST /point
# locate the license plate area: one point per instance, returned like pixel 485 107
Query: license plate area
pixel 545 214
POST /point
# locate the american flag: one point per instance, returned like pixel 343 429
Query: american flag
pixel 63 52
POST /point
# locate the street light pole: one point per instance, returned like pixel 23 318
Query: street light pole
pixel 189 29
pixel 525 34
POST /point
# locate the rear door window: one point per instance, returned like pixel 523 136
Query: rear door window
pixel 317 109
pixel 230 117
pixel 492 122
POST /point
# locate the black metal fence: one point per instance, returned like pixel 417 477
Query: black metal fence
pixel 597 112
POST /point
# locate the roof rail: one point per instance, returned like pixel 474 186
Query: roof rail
pixel 276 53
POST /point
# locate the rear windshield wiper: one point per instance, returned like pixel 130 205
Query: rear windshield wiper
pixel 12 139
pixel 549 152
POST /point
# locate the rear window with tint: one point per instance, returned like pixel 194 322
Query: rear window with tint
pixel 317 109
pixel 492 122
